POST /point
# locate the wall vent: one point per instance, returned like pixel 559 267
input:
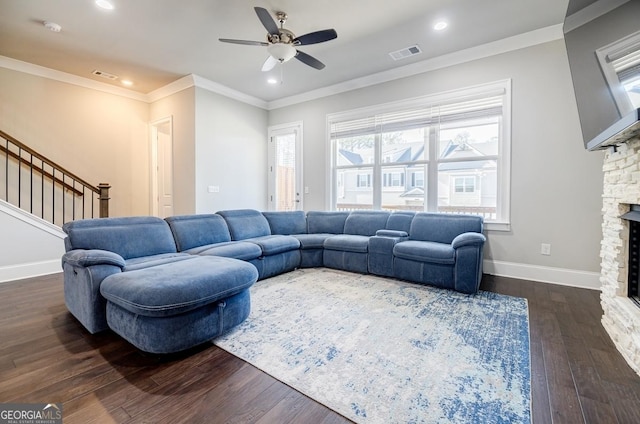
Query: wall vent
pixel 105 75
pixel 406 52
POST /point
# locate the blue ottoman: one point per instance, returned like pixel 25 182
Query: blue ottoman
pixel 174 306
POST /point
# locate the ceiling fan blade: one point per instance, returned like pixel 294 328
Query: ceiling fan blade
pixel 246 42
pixel 316 37
pixel 269 64
pixel 308 60
pixel 267 20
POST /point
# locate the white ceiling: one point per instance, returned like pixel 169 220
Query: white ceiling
pixel 155 42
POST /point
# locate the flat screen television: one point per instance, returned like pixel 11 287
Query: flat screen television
pixel 594 30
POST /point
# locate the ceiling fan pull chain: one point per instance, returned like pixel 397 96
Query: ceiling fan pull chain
pixel 281 73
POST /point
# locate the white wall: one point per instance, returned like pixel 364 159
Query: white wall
pixel 29 246
pixel 555 184
pixel 230 153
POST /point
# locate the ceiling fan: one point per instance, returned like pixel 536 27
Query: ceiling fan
pixel 281 43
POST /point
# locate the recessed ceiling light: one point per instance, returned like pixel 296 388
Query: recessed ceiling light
pixel 127 83
pixel 440 25
pixel 104 4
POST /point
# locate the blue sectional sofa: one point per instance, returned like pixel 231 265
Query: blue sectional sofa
pixel 167 285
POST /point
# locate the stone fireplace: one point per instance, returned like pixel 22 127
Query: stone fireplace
pixel 621 317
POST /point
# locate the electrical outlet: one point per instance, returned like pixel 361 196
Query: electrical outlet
pixel 545 249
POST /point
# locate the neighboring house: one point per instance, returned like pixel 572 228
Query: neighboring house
pixel 467 177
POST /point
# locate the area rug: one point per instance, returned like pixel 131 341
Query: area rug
pixel 377 350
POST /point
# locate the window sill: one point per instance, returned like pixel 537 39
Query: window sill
pixel 497 226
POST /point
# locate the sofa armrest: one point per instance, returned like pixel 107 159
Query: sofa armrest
pixel 391 233
pixel 468 239
pixel 86 258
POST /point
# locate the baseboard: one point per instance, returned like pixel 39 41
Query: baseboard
pixel 28 270
pixel 543 274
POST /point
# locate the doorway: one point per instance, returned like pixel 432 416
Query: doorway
pixel 285 167
pixel 162 167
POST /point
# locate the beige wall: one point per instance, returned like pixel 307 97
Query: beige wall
pixel 555 184
pixel 181 108
pixel 98 136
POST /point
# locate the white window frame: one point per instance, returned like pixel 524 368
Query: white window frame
pixel 503 201
pixel 273 131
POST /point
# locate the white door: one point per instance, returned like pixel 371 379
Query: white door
pixel 285 167
pixel 162 168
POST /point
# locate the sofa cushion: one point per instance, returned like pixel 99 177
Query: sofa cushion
pixel 272 245
pixel 243 250
pixel 286 222
pixel 425 251
pixel 245 223
pixel 365 223
pixel 178 287
pixel 153 260
pixel 400 221
pixel 347 243
pixel 326 222
pixel 129 237
pixel 192 231
pixel 312 241
pixel 443 228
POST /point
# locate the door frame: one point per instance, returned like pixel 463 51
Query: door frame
pixel 273 131
pixel 154 165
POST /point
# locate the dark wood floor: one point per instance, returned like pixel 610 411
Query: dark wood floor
pixel 46 357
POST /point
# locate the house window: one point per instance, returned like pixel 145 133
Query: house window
pixel 364 180
pixel 443 153
pixel 417 179
pixel 393 179
pixel 465 184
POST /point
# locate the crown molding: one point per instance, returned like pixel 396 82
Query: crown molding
pixel 591 12
pixel 41 71
pixel 170 89
pixel 528 39
pixel 215 87
pixel 517 42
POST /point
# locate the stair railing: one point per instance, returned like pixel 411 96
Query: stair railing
pixel 45 189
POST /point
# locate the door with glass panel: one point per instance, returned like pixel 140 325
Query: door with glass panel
pixel 285 167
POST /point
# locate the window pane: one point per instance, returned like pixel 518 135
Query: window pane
pixel 286 199
pixel 468 187
pixel 472 138
pixel 406 187
pixel 404 146
pixel 354 189
pixel 355 150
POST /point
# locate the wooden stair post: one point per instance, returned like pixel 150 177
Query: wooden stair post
pixel 104 199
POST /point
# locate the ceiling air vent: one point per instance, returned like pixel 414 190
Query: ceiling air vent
pixel 105 75
pixel 406 52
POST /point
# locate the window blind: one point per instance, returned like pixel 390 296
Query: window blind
pixel 419 117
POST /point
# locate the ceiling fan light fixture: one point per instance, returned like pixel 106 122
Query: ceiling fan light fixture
pixel 282 52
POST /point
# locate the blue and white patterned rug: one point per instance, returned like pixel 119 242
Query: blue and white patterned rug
pixel 378 350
